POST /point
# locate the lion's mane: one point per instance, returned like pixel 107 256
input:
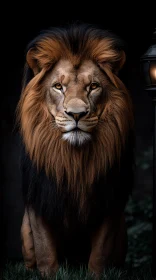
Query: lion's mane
pixel 77 166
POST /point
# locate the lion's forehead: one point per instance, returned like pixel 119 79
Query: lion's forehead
pixel 65 71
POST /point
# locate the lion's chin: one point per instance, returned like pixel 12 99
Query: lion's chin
pixel 76 137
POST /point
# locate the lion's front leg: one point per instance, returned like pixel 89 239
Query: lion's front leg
pixel 108 245
pixel 28 249
pixel 44 245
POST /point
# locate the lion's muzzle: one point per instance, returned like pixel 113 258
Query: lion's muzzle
pixel 76 122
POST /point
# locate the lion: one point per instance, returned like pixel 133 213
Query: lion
pixel 76 123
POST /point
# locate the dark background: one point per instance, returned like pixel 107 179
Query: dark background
pixel 19 29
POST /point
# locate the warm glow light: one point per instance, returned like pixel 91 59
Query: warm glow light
pixel 153 72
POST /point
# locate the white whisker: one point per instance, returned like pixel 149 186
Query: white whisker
pixel 76 137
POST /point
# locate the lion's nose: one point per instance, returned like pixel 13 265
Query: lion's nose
pixel 76 116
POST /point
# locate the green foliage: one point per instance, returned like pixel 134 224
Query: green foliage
pixel 145 158
pixel 139 226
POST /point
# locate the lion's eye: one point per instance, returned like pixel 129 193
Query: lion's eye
pixel 93 86
pixel 58 86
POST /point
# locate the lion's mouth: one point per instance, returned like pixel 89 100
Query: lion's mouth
pixel 76 129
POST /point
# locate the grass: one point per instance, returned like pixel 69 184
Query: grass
pixel 138 261
pixel 18 272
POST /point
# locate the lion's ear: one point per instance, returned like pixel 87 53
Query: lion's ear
pixel 32 61
pixel 112 65
pixel 114 60
pixel 118 64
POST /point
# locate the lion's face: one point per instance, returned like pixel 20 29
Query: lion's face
pixel 75 99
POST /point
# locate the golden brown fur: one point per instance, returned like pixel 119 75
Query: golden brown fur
pixel 43 139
